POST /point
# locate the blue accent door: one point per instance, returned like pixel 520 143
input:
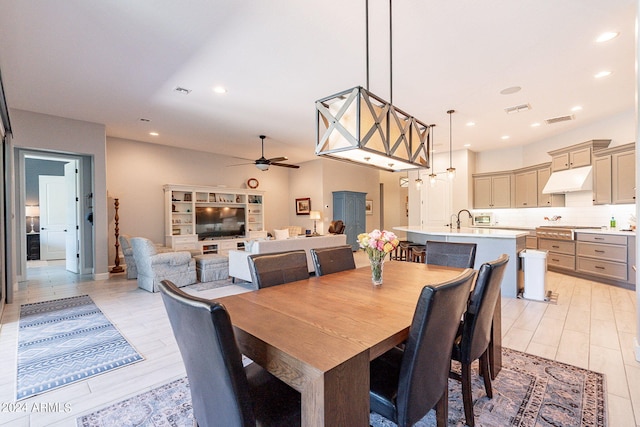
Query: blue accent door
pixel 349 206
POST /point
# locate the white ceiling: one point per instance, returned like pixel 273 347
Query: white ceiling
pixel 117 61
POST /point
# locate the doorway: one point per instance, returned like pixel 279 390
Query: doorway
pixel 52 183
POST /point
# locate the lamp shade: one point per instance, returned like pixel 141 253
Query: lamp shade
pixel 32 210
pixel 314 215
pixel 357 126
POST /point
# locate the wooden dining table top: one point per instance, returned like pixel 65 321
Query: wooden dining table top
pixel 327 319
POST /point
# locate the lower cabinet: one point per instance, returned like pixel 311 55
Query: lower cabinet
pixel 562 253
pixel 602 255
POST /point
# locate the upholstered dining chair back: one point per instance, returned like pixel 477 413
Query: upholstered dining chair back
pixel 474 335
pixel 451 254
pixel 333 259
pixel 278 268
pixel 406 385
pixel 223 392
pixel 129 260
pixel 336 227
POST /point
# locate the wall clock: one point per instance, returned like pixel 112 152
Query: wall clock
pixel 252 183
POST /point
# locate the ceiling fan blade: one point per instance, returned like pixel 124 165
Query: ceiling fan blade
pixel 284 165
pixel 278 159
pixel 242 164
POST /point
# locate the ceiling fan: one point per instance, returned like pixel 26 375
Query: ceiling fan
pixel 263 163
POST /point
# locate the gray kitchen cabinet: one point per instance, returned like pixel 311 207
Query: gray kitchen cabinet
pixel 562 253
pixel 623 177
pixel 526 189
pixel 614 175
pixel 549 200
pixel 602 180
pixel 602 255
pixel 576 156
pixel 492 191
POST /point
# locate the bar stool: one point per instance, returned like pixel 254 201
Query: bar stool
pixel 418 253
pixel 403 250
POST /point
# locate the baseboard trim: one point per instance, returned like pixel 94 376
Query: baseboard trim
pixel 101 276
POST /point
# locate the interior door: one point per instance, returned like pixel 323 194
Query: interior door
pixel 72 240
pixel 53 217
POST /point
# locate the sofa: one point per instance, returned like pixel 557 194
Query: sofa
pixel 239 266
pixel 154 267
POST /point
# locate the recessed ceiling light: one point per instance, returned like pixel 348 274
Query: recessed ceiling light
pixel 602 74
pixel 510 90
pixel 504 137
pixel 576 108
pixel 535 125
pixel 606 36
pixel 219 89
pixel 154 133
pixel 467 145
pixel 471 123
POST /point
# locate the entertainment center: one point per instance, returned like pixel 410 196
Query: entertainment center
pixel 211 219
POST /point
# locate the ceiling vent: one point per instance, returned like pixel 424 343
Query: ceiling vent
pixel 560 119
pixel 517 109
pixel 182 90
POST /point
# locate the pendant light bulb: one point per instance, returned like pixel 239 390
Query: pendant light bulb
pixel 432 175
pixel 418 183
pixel 451 171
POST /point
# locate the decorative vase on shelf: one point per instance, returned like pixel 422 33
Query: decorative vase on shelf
pixel 377 266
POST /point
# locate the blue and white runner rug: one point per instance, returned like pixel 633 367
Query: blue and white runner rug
pixel 66 340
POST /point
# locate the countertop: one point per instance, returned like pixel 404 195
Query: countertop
pixel 614 232
pixel 499 233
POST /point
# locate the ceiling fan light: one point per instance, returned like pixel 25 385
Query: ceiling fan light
pixel 262 166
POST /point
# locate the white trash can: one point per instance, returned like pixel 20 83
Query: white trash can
pixel 535 274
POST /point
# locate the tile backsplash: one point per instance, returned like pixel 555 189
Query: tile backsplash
pixel 578 211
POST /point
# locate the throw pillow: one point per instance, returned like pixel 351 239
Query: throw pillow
pixel 281 234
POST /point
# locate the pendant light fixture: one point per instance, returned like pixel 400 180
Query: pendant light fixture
pixel 357 126
pixel 432 175
pixel 451 171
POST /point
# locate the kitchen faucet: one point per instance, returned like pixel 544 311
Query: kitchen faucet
pixel 458 217
pixel 451 221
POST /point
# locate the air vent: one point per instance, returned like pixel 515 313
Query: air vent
pixel 517 109
pixel 182 90
pixel 560 119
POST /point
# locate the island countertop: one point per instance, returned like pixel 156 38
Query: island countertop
pixel 464 232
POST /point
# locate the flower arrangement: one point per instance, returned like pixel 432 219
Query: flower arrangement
pixel 377 245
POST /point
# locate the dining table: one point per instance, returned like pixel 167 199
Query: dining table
pixel 319 335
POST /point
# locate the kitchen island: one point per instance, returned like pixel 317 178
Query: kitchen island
pixel 491 243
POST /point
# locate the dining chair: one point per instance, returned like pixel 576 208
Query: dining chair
pixel 223 393
pixel 277 268
pixel 474 333
pixel 407 384
pixel 451 254
pixel 332 259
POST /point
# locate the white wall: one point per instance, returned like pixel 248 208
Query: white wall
pixel 137 171
pixel 43 132
pixel 307 182
pixel 395 201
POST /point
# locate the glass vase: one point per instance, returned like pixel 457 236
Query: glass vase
pixel 377 265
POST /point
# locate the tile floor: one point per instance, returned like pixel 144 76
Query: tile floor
pixel 591 326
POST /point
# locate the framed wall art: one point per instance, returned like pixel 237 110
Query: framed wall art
pixel 368 207
pixel 303 206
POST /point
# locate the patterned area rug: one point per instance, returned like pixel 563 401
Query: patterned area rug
pixel 64 341
pixel 529 391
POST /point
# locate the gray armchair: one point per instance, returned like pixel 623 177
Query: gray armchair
pixel 127 251
pixel 154 267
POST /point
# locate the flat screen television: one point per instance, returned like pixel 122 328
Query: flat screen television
pixel 219 221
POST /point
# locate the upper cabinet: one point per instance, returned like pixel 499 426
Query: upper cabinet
pixel 492 191
pixel 526 188
pixel 548 200
pixel 576 156
pixel 614 175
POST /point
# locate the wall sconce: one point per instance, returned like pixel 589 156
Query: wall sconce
pixel 315 215
pixel 32 211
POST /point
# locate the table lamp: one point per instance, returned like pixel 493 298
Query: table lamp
pixel 314 215
pixel 31 212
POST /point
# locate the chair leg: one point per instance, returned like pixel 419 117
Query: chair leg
pixel 486 373
pixel 467 397
pixel 442 408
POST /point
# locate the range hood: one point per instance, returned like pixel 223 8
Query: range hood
pixel 578 179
